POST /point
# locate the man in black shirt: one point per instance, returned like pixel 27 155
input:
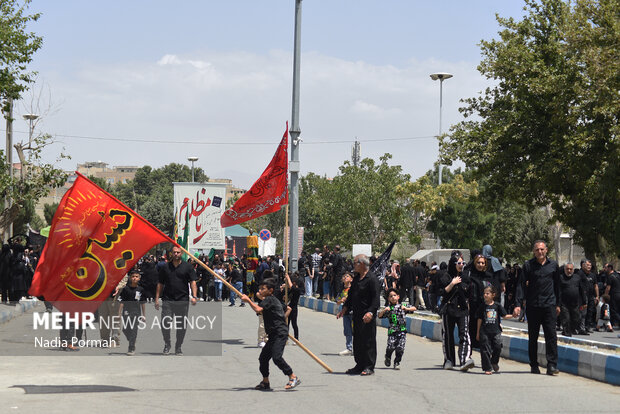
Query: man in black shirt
pixel 407 279
pixel 540 288
pixel 588 280
pixel 174 279
pixel 572 299
pixel 363 300
pixel 613 290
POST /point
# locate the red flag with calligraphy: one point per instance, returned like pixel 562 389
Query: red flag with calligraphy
pixel 268 194
pixel 94 241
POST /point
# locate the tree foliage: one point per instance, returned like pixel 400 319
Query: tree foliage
pixel 48 212
pixel 547 132
pixel 17 47
pixel 151 193
pixel 359 205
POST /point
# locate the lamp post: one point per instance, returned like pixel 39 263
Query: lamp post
pixel 193 160
pixel 441 76
pixel 30 118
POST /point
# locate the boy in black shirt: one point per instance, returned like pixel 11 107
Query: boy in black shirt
pixel 277 332
pixel 490 330
pixel 132 299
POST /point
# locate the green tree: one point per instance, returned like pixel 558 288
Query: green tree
pixel 546 133
pixel 359 205
pixel 17 47
pixel 48 212
pixel 27 216
pixel 151 193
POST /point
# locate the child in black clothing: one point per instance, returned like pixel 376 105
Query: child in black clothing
pixel 277 332
pixel 293 302
pixel 604 320
pixel 397 331
pixel 490 330
pixel 132 300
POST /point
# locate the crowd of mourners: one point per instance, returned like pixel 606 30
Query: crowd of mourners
pixel 18 260
pixel 588 297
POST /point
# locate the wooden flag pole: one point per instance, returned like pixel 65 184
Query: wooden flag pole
pixel 307 351
pixel 231 287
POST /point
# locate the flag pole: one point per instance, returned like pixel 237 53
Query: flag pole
pixel 231 287
pixel 286 265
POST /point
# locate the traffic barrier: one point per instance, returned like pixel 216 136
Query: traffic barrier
pixel 572 359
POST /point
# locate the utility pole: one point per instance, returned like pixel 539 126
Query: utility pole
pixel 356 153
pixel 295 131
pixel 9 158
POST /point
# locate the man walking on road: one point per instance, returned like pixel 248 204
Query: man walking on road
pixel 174 279
pixel 540 288
pixel 363 300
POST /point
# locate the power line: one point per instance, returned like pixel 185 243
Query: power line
pixel 228 142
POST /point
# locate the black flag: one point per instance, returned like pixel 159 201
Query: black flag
pixel 381 264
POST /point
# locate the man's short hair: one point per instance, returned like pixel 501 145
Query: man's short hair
pixel 584 261
pixel 269 283
pixel 539 241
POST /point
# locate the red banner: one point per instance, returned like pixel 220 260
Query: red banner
pixel 94 241
pixel 268 194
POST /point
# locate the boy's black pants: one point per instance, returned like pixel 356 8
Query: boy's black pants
pixel 273 349
pixel 490 350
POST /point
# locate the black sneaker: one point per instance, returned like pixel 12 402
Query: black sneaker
pixel 178 352
pixel 535 370
pixel 552 370
pixel 388 361
pixel 166 350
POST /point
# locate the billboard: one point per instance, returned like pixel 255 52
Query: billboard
pixel 203 204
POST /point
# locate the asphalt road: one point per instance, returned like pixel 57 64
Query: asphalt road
pixel 53 381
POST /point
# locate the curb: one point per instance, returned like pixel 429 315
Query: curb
pixel 19 309
pixel 585 363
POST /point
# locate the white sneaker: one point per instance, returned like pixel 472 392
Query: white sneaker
pixel 345 352
pixel 467 365
pixel 261 344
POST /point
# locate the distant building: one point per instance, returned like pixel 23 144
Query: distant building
pixel 231 191
pixel 112 176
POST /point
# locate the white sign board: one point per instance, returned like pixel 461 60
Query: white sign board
pixel 267 247
pixel 204 203
pixel 361 249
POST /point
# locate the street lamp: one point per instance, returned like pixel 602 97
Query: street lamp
pixel 441 76
pixel 193 160
pixel 30 118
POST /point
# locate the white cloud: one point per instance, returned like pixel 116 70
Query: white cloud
pixel 246 97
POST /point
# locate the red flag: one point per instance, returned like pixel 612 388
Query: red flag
pixel 269 192
pixel 94 241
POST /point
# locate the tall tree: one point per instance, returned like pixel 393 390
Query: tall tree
pixel 546 133
pixel 48 212
pixel 17 47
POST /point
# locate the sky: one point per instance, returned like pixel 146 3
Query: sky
pixel 150 82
